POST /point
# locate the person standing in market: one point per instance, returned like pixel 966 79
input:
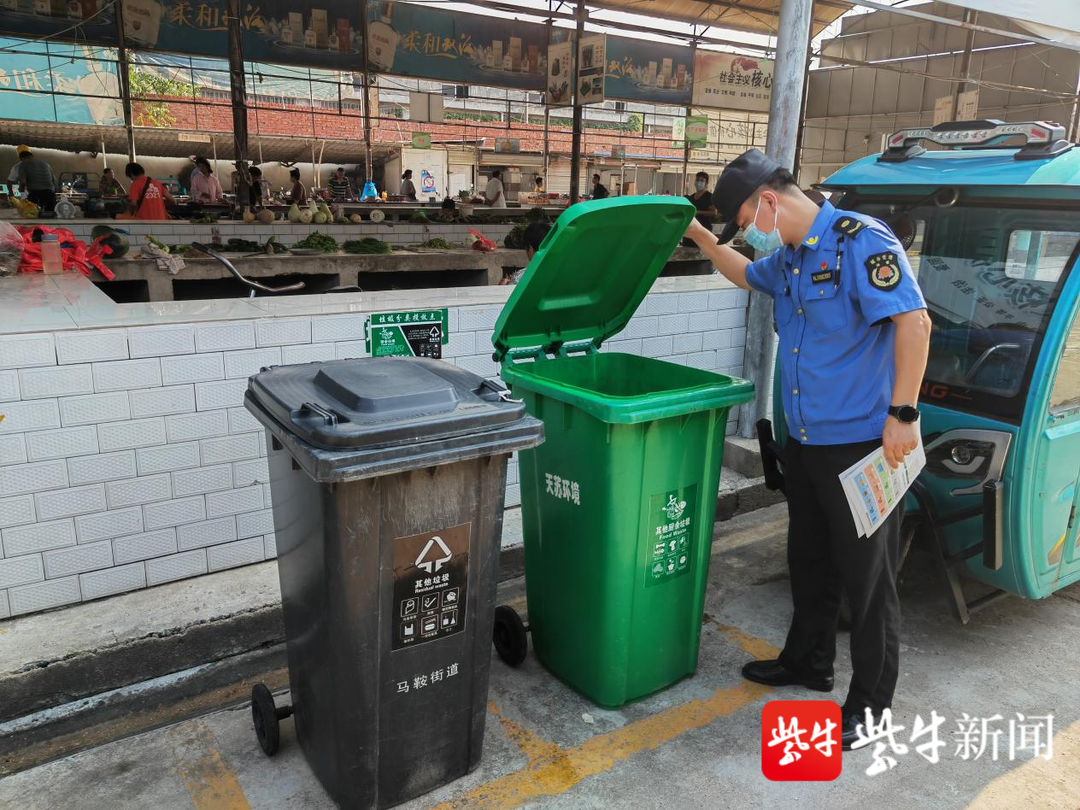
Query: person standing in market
pixel 147 197
pixel 494 194
pixel 703 201
pixel 205 188
pixel 109 185
pixel 299 191
pixel 37 180
pixel 853 341
pixel 340 189
pixel 599 190
pixel 408 188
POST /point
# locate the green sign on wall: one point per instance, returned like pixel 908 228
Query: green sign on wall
pixel 697 131
pixel 407 334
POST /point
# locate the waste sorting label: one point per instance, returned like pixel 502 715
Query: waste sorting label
pixel 671 532
pixel 407 334
pixel 431 574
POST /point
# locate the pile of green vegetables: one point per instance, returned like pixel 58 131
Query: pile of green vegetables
pixel 515 240
pixel 367 246
pixel 318 241
pixel 437 244
pixel 204 219
pixel 419 218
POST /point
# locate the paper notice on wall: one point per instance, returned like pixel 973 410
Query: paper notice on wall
pixel 874 489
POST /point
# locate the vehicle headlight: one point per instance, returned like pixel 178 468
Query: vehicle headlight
pixel 977 456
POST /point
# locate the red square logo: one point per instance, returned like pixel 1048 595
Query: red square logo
pixel 800 741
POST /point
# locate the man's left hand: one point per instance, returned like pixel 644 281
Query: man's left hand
pixel 899 439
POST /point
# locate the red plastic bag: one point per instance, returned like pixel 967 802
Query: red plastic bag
pixel 75 255
pixel 482 242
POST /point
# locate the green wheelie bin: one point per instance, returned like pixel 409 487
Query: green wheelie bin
pixel 619 503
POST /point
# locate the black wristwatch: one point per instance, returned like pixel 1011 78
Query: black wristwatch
pixel 907 414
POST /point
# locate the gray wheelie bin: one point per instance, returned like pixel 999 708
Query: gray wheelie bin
pixel 388 479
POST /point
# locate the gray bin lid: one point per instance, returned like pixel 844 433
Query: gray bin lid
pixel 383 402
pixel 350 419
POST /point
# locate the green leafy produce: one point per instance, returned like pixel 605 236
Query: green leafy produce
pixel 204 219
pixel 515 240
pixel 437 244
pixel 158 244
pixel 318 241
pixel 419 218
pixel 367 245
pixel 537 214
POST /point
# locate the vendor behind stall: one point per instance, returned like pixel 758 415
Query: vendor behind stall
pixel 109 185
pixel 340 189
pixel 205 188
pixel 703 200
pixel 299 191
pixel 37 179
pixel 257 190
pixel 408 188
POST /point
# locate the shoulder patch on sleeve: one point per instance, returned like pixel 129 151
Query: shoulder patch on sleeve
pixel 849 226
pixel 884 269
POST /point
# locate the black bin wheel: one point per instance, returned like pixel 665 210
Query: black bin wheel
pixel 264 716
pixel 511 641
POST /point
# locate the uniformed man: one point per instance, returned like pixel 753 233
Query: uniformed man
pixel 853 340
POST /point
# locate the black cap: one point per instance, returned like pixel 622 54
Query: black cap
pixel 740 179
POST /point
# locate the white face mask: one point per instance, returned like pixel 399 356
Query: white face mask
pixel 700 185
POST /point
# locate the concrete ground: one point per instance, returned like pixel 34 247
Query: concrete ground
pixel 696 744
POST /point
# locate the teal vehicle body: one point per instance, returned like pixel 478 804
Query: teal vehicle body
pixel 993 235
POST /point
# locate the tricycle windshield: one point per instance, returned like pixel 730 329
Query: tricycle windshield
pixel 991 276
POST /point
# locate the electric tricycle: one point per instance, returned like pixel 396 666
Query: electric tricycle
pixel 992 232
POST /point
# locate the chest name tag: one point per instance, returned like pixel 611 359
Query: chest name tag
pixel 822 277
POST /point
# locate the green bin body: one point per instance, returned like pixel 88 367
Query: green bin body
pixel 619 503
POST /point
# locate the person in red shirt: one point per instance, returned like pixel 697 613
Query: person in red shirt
pixel 147 197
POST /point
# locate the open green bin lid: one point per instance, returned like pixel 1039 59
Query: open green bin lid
pixel 592 272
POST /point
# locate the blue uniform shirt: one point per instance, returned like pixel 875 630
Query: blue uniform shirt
pixel 833 298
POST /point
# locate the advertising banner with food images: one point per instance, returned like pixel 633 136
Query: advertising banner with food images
pixel 638 70
pixel 421 41
pixel 732 82
pixel 591 66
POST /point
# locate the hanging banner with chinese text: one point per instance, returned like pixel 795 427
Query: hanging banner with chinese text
pixel 732 82
pixel 53 82
pixel 638 70
pixel 411 40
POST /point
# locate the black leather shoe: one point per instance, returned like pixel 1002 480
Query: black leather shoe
pixel 773 673
pixel 849 730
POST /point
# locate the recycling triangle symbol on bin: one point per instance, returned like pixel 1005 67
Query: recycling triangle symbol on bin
pixel 434 547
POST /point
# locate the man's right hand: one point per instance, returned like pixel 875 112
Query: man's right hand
pixel 730 263
pixel 699 233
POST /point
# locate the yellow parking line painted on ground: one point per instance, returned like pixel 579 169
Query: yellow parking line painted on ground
pixel 208 777
pixel 1038 782
pixel 552 770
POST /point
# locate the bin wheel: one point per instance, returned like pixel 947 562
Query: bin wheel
pixel 264 716
pixel 511 642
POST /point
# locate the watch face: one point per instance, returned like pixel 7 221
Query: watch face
pixel 905 413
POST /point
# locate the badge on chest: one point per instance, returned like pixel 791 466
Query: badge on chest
pixel 823 275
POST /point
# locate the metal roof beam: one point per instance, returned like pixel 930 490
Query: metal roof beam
pixel 622 26
pixel 985 29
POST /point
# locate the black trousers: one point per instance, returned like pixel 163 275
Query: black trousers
pixel 44 199
pixel 827 558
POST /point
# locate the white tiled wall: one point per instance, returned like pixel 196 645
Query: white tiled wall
pixel 128 460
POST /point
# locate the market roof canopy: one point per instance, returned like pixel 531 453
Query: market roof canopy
pixel 756 16
pixel 1057 21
